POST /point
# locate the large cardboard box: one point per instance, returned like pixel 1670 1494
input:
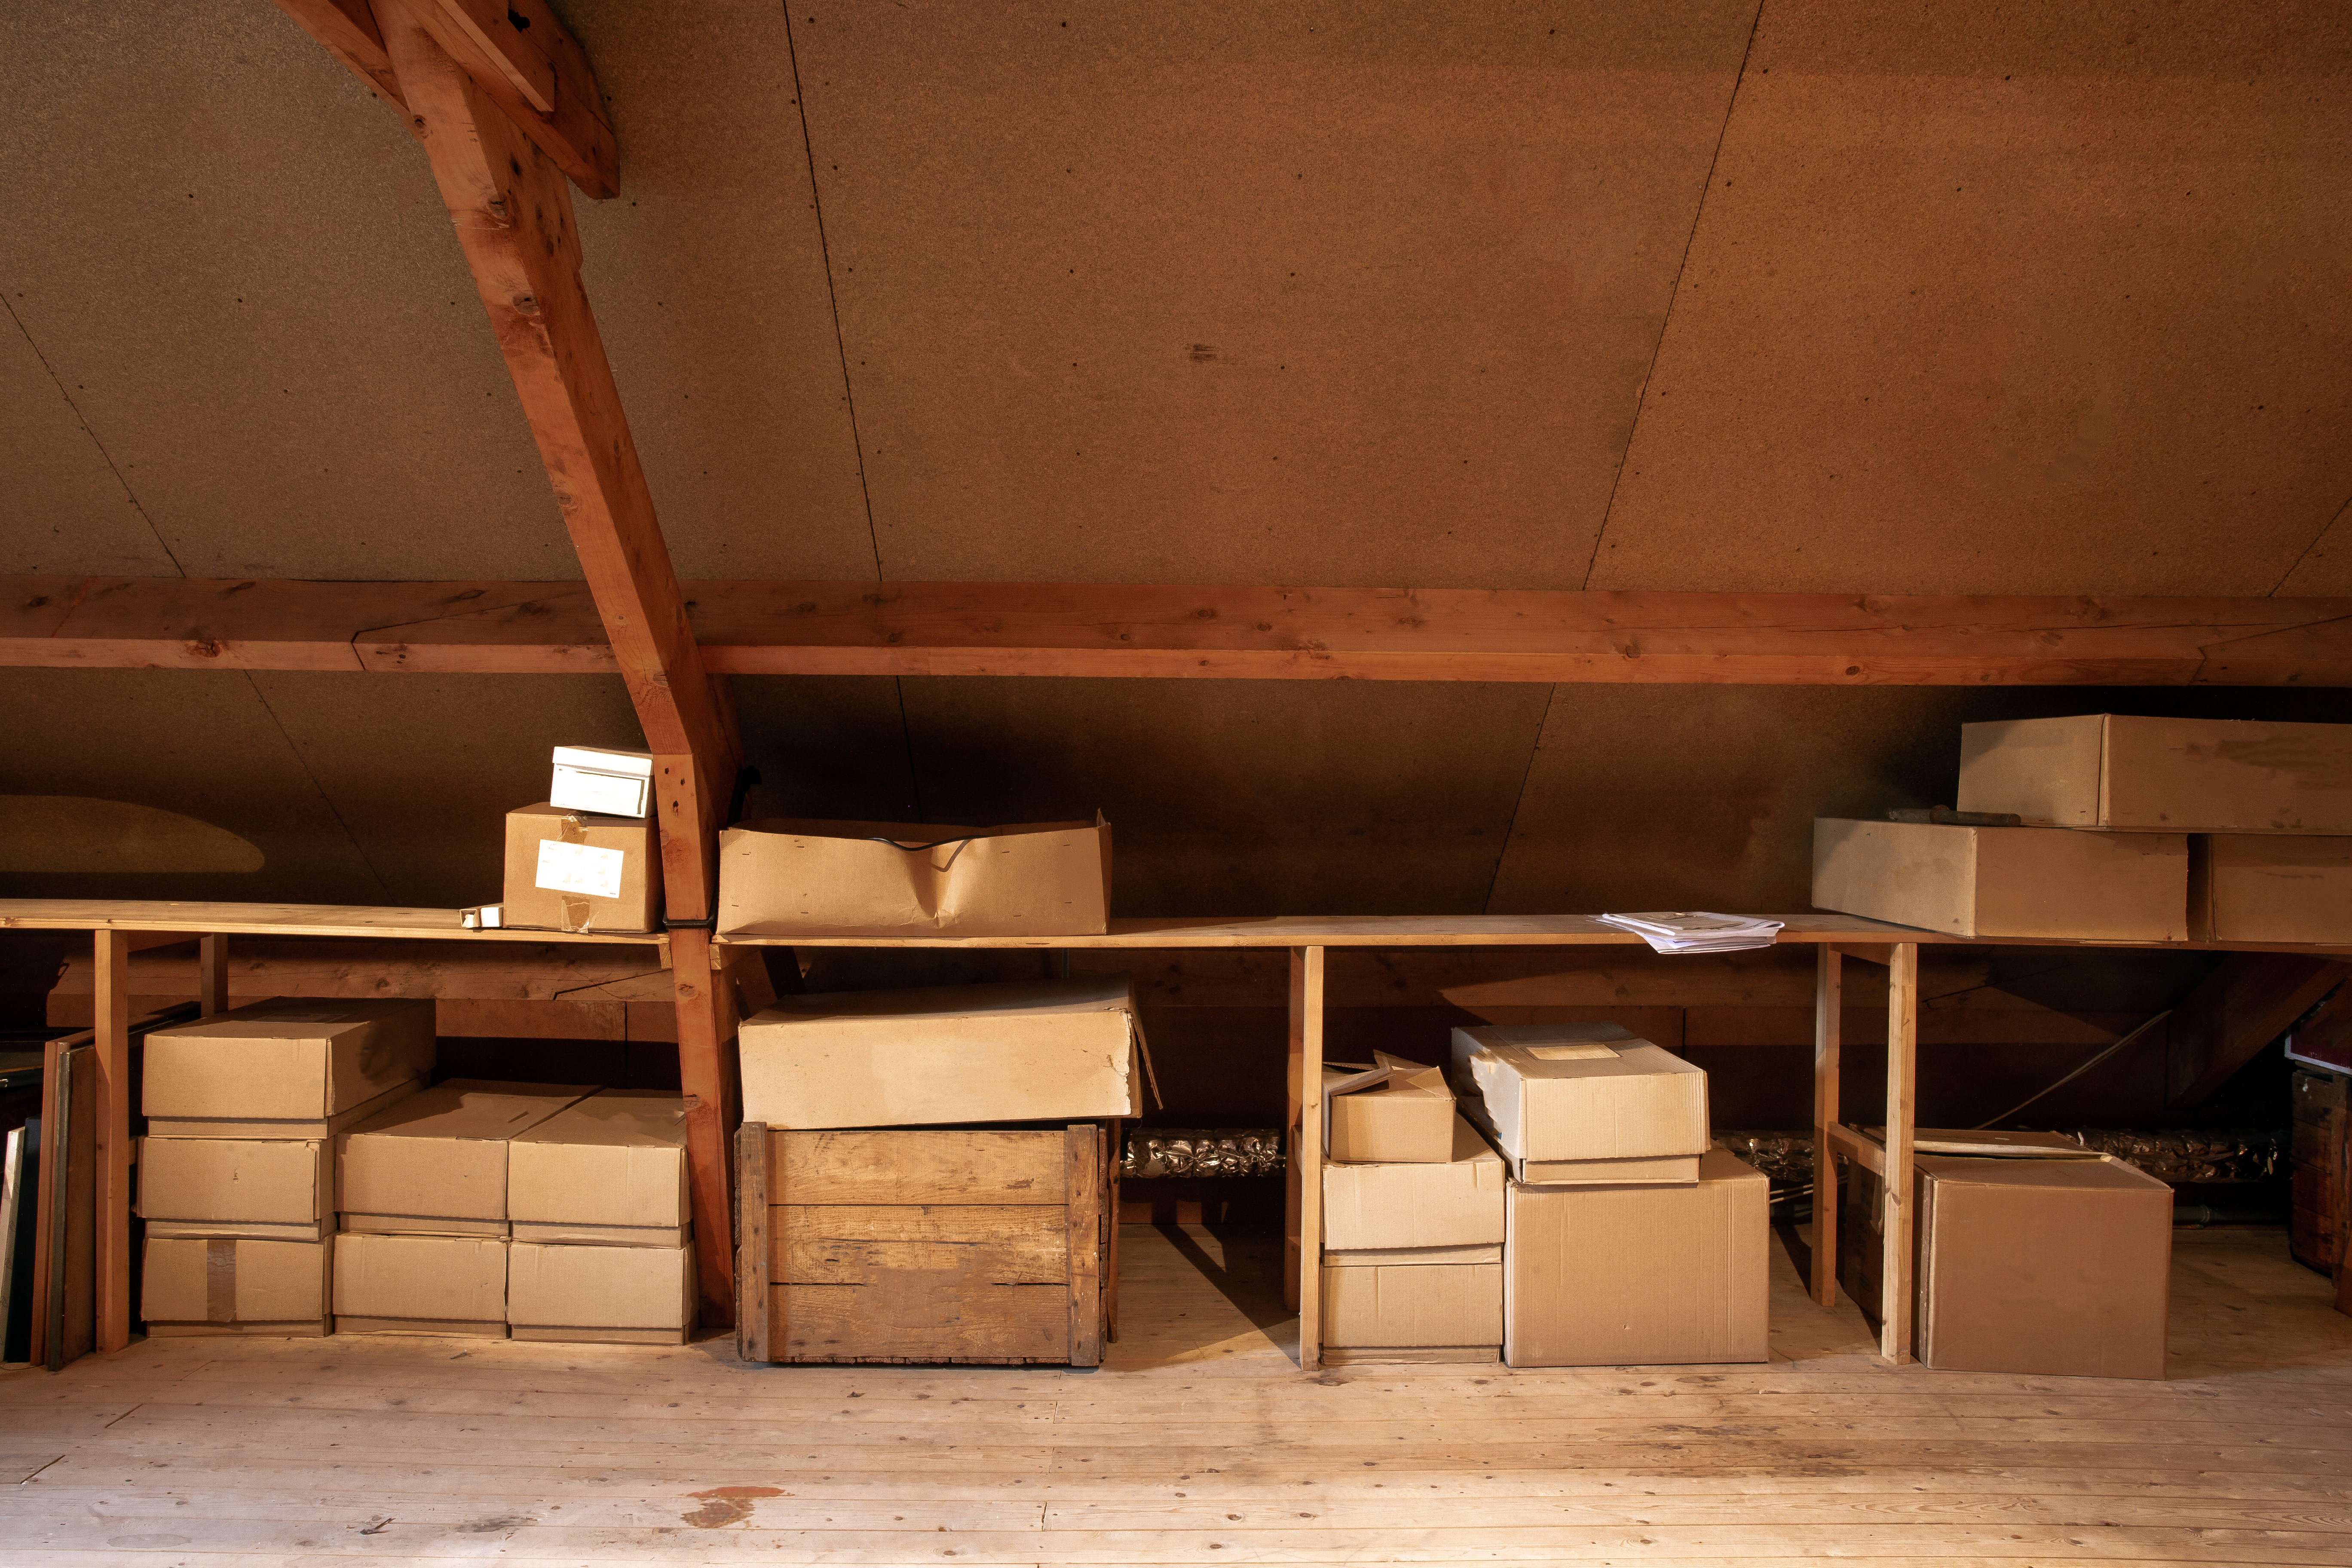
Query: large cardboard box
pixel 228 1285
pixel 1393 1110
pixel 574 871
pixel 1047 1051
pixel 608 1295
pixel 1414 1311
pixel 2269 887
pixel 1639 1276
pixel 264 1189
pixel 1582 1102
pixel 792 878
pixel 421 1285
pixel 608 1171
pixel 293 1066
pixel 2168 775
pixel 1456 1203
pixel 436 1165
pixel 2005 881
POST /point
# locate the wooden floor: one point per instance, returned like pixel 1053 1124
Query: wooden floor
pixel 1197 1443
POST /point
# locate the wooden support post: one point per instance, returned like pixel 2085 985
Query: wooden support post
pixel 753 1313
pixel 1828 1000
pixel 113 1021
pixel 707 1076
pixel 1305 1242
pixel 1901 1069
pixel 212 975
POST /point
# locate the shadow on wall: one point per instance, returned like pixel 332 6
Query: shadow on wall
pixel 72 834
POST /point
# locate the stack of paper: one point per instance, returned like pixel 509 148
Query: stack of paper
pixel 1696 930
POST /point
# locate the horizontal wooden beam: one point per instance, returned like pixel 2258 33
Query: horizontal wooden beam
pixel 1248 633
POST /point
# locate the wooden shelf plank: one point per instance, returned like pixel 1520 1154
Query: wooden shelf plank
pixel 199 918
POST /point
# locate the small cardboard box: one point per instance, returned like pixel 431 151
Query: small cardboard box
pixel 573 870
pixel 1393 1111
pixel 2168 775
pixel 291 1067
pixel 609 1171
pixel 602 782
pixel 2269 887
pixel 1639 1276
pixel 226 1285
pixel 792 878
pixel 1412 1311
pixel 436 1165
pixel 2005 881
pixel 421 1285
pixel 1456 1203
pixel 272 1189
pixel 1582 1102
pixel 609 1295
pixel 1053 1050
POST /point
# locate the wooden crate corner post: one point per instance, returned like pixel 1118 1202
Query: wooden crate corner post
pixel 754 1310
pixel 1083 1219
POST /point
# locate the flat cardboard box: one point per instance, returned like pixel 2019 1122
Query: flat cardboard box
pixel 2005 881
pixel 1414 1306
pixel 1456 1203
pixel 1046 1051
pixel 618 1295
pixel 1582 1103
pixel 273 1189
pixel 1391 1110
pixel 225 1285
pixel 421 1285
pixel 608 1171
pixel 2269 887
pixel 1639 1276
pixel 577 871
pixel 293 1066
pixel 2168 775
pixel 436 1165
pixel 797 877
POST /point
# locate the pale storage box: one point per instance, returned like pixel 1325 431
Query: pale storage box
pixel 1411 1311
pixel 1393 1110
pixel 1052 1050
pixel 2005 881
pixel 421 1285
pixel 792 878
pixel 608 1295
pixel 1582 1102
pixel 1639 1276
pixel 272 1189
pixel 577 871
pixel 1458 1203
pixel 602 782
pixel 607 1171
pixel 293 1066
pixel 2170 775
pixel 225 1285
pixel 436 1165
pixel 2269 887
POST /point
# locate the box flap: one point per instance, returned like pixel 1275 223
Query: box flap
pixel 473 1109
pixel 2100 1173
pixel 616 1118
pixel 984 1005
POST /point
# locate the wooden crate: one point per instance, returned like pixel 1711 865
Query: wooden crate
pixel 2315 1235
pixel 995 1245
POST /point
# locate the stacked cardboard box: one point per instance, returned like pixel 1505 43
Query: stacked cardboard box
pixel 602 1244
pixel 1628 1239
pixel 236 1175
pixel 1413 1246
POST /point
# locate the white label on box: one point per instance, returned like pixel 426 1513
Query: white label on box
pixel 579 868
pixel 605 794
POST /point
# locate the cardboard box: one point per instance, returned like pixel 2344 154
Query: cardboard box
pixel 436 1165
pixel 421 1285
pixel 225 1285
pixel 2168 775
pixel 1582 1102
pixel 293 1066
pixel 602 782
pixel 2269 887
pixel 609 1295
pixel 1639 1276
pixel 2005 881
pixel 263 1189
pixel 1052 1050
pixel 792 878
pixel 608 1171
pixel 1456 1203
pixel 1392 1111
pixel 573 870
pixel 1374 1310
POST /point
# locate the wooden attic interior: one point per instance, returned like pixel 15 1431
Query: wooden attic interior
pixel 1459 464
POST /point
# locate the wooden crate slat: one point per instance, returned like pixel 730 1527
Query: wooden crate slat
pixel 910 1316
pixel 921 1166
pixel 966 1245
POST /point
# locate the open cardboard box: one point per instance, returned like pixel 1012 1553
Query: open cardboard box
pixel 794 877
pixel 1389 1110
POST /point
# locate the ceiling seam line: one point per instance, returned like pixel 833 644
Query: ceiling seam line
pixel 1495 878
pixel 320 790
pixel 1641 395
pixel 2317 539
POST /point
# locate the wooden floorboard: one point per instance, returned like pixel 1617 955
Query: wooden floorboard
pixel 1198 1441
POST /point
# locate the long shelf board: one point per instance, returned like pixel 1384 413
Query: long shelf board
pixel 202 918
